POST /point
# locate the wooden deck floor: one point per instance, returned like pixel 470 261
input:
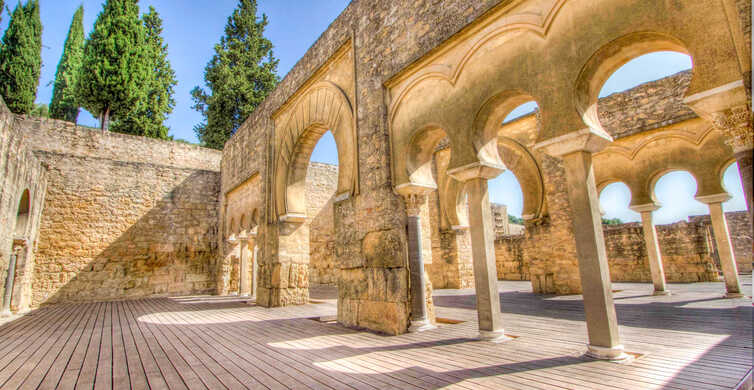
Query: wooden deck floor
pixel 690 340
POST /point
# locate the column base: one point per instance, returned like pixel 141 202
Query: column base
pixel 420 326
pixel 6 314
pixel 614 354
pixel 733 295
pixel 493 336
pixel 664 292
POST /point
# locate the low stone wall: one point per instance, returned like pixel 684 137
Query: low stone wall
pixel 21 171
pixel 687 249
pixel 124 216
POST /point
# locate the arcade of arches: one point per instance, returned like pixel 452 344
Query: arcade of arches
pixel 417 112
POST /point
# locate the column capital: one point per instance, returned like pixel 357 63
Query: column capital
pixel 414 195
pixel 714 198
pixel 727 109
pixel 476 170
pixel 645 208
pixel 584 140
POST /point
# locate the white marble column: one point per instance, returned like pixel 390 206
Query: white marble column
pixel 576 150
pixel 653 247
pixel 722 240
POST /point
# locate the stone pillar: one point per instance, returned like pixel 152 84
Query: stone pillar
pixel 414 197
pixel 243 273
pixel 485 267
pixel 744 159
pixel 482 232
pixel 722 239
pixel 653 247
pixel 19 247
pixel 602 324
pixel 254 265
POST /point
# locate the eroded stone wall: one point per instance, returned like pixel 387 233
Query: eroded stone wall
pixel 321 184
pixel 20 170
pixel 687 249
pixel 124 216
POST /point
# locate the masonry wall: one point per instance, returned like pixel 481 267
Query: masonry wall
pixel 321 184
pixel 20 170
pixel 124 216
pixel 687 249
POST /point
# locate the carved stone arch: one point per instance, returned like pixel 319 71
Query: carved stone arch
pixel 652 180
pixel 421 150
pixel 606 60
pixel 519 160
pixel 324 107
pixel 489 120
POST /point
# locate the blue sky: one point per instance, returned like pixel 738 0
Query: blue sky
pixel 191 28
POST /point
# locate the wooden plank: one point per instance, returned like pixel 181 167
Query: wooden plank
pixel 75 363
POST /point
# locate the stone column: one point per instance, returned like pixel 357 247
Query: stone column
pixel 483 248
pixel 243 272
pixel 250 289
pixel 255 272
pixel 414 197
pixel 722 239
pixel 19 246
pixel 653 247
pixel 602 324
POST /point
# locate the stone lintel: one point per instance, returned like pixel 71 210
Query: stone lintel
pixel 293 218
pixel 480 169
pixel 645 208
pixel 714 198
pixel 584 140
pixel 717 99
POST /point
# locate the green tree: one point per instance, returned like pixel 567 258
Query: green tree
pixel 63 105
pixel 612 221
pixel 114 69
pixel 40 111
pixel 238 77
pixel 157 103
pixel 21 58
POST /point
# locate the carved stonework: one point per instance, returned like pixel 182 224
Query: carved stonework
pixel 736 124
pixel 414 203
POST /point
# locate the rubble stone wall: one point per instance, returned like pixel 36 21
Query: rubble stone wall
pixel 124 216
pixel 687 248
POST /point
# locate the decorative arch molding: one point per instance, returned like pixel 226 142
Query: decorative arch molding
pixel 323 107
pixel 536 22
pixel 631 151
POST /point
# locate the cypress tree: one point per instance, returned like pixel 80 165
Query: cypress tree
pixel 157 103
pixel 114 68
pixel 63 105
pixel 239 76
pixel 21 58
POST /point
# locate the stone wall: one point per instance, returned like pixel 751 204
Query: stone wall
pixel 740 236
pixel 124 216
pixel 20 170
pixel 321 184
pixel 687 249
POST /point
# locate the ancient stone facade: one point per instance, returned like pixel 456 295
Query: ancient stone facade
pixel 415 94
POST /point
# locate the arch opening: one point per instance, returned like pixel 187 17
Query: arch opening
pixel 615 199
pixel 624 56
pixel 22 217
pixel 675 191
pixel 732 183
pixel 321 196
